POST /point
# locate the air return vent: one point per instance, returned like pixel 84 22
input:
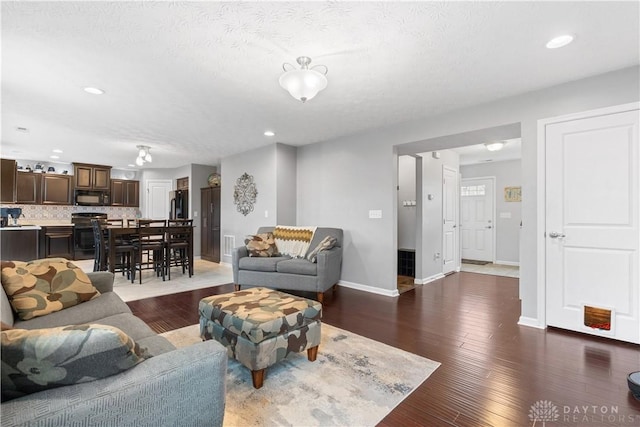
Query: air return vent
pixel 229 244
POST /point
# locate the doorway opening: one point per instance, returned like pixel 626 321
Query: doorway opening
pixel 430 210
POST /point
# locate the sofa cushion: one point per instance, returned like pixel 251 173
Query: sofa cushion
pixel 298 266
pixel 261 245
pixel 327 243
pixel 107 304
pixel 260 263
pixel 40 287
pixel 40 359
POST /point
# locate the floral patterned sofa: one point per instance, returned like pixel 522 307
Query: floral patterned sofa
pixel 160 385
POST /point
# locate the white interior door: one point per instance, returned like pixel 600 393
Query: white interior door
pixel 592 233
pixel 158 203
pixel 476 218
pixel 449 215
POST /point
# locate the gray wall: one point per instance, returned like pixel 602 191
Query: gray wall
pixel 508 174
pixel 407 215
pixel 286 184
pixel 340 180
pixel 274 171
pixel 429 231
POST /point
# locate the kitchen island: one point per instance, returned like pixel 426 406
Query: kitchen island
pixel 20 243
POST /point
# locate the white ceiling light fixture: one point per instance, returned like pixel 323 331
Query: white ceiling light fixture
pixel 559 41
pixel 144 155
pixel 304 83
pixel 494 145
pixel 269 133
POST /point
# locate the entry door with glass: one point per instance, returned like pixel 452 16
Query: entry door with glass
pixel 476 218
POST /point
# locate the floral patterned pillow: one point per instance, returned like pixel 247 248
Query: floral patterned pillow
pixel 261 245
pixel 40 359
pixel 40 287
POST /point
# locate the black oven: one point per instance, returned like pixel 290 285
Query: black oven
pixel 83 233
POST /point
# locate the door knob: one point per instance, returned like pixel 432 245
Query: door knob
pixel 555 235
pixel 488 226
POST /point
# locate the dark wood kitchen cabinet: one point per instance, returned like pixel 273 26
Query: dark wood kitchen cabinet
pixel 57 242
pixel 210 224
pixel 92 177
pixel 182 183
pixel 28 190
pixel 19 244
pixel 8 170
pixel 125 193
pixel 56 189
pixel 45 189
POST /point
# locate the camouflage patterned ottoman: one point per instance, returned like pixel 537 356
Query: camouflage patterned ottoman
pixel 260 326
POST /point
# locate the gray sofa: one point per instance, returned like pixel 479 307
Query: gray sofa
pixel 183 386
pixel 284 272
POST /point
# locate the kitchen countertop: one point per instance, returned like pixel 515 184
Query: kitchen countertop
pixel 21 227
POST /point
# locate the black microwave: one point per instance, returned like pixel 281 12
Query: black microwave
pixel 91 198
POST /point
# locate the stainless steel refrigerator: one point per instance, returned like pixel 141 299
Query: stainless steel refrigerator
pixel 179 204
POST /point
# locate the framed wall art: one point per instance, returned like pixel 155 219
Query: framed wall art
pixel 512 194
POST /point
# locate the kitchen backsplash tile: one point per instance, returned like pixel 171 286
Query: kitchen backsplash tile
pixel 63 213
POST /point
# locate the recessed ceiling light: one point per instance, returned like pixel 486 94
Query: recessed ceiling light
pixel 57 150
pixel 559 41
pixel 93 90
pixel 494 145
pixel 55 157
pixel 269 133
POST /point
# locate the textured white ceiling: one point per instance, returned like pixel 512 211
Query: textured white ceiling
pixel 198 81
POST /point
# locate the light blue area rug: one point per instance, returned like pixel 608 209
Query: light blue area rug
pixel 354 381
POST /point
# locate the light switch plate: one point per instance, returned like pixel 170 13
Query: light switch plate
pixel 375 214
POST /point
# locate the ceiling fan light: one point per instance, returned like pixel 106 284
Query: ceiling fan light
pixel 142 152
pixel 139 161
pixel 148 158
pixel 494 146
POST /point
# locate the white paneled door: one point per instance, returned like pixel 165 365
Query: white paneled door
pixel 476 218
pixel 592 236
pixel 450 218
pixel 158 203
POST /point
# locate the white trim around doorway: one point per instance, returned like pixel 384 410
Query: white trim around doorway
pixel 541 321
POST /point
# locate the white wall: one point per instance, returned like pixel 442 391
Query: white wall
pixel 340 180
pixel 508 174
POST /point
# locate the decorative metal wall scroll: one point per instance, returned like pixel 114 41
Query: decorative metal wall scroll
pixel 244 194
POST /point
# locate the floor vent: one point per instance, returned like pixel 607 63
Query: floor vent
pixel 229 244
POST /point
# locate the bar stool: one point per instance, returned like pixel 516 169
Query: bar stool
pixel 179 241
pixel 149 246
pixel 124 252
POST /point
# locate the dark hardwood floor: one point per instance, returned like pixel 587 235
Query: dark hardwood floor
pixel 492 370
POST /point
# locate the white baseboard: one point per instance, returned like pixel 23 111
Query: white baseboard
pixel 371 289
pixel 428 279
pixel 531 322
pixel 513 263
